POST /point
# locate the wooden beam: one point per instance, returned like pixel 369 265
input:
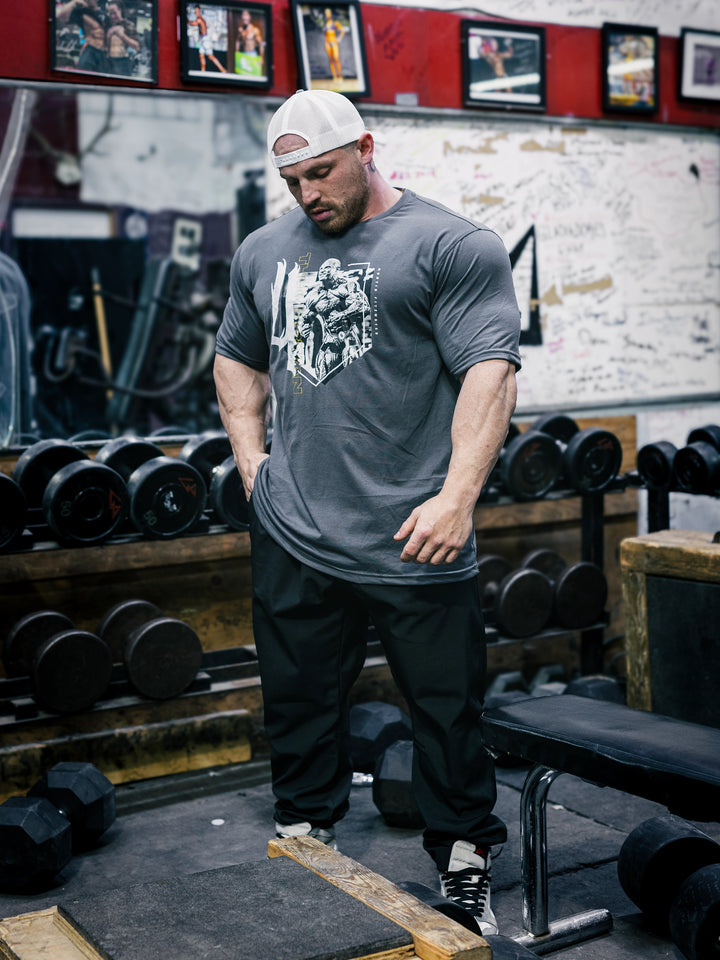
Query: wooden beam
pixel 435 936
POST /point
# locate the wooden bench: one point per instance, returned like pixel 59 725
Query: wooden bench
pixel 672 762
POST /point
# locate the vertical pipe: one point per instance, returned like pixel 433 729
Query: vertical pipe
pixel 533 840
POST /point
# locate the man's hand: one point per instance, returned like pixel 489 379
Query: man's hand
pixel 438 530
pixel 248 475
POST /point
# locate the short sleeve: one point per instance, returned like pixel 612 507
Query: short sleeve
pixel 241 335
pixel 475 314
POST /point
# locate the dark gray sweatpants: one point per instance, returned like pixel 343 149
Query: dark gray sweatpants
pixel 310 631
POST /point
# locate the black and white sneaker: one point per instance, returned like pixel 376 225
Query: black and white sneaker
pixel 324 835
pixel 467 882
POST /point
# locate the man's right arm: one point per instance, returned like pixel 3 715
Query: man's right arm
pixel 244 400
pixel 63 10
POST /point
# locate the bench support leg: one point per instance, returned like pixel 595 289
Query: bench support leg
pixel 542 937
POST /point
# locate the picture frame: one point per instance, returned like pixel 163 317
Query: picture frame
pixel 226 42
pixel 330 47
pixel 630 69
pixel 105 38
pixel 503 65
pixel 699 73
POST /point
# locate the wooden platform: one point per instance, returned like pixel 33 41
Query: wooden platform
pixel 671 591
pixel 306 901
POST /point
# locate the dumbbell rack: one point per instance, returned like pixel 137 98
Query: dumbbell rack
pixel 204 579
pixel 592 551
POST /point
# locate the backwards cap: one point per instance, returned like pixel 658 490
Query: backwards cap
pixel 327 120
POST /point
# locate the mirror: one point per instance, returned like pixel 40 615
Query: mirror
pixel 120 213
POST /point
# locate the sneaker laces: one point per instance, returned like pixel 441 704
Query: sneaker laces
pixel 467 883
pixel 469 888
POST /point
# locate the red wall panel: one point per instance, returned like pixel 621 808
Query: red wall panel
pixel 409 51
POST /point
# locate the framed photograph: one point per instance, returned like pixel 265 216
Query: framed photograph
pixel 699 65
pixel 330 47
pixel 503 65
pixel 105 38
pixel 226 42
pixel 630 74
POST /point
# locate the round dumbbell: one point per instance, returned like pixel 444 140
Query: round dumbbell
pixel 70 668
pixel 161 655
pixel 694 919
pixel 697 465
pixel 518 601
pixel 492 569
pixel 655 860
pixel 13 511
pixel 529 466
pixel 167 495
pixel 211 455
pixel 69 809
pixel 82 501
pixel 579 591
pixel 656 464
pixel 591 458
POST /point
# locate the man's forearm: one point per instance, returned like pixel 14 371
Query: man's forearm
pixel 439 528
pixel 244 403
pixel 482 414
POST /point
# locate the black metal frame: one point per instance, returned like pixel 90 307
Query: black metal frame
pixel 241 70
pixel 621 40
pixel 489 77
pixel 307 18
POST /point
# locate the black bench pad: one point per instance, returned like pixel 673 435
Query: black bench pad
pixel 672 762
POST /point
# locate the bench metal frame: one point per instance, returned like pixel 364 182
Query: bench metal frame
pixel 541 936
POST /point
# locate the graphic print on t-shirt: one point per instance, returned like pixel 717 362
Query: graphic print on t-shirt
pixel 323 317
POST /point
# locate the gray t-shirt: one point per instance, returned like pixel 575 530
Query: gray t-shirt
pixel 365 335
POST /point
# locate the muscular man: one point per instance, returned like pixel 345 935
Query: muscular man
pixel 365 506
pixel 335 309
pixel 249 47
pixel 205 47
pixel 249 38
pixel 120 40
pixel 87 16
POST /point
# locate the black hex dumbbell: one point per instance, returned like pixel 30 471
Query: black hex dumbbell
pixel 373 727
pixel 392 788
pixel 211 455
pixel 70 668
pixel 67 810
pixel 162 655
pixel 591 458
pixel 167 495
pixel 81 500
pixel 13 512
pixel 697 465
pixel 579 589
pixel 519 602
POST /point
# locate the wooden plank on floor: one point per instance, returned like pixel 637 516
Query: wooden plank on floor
pixel 43 935
pixel 435 936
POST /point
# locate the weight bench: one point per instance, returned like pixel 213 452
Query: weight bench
pixel 672 762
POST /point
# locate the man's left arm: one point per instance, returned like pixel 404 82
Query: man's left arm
pixel 439 528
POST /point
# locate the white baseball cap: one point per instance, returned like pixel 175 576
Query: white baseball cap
pixel 327 120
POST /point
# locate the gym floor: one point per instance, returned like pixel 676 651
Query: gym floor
pixel 178 825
